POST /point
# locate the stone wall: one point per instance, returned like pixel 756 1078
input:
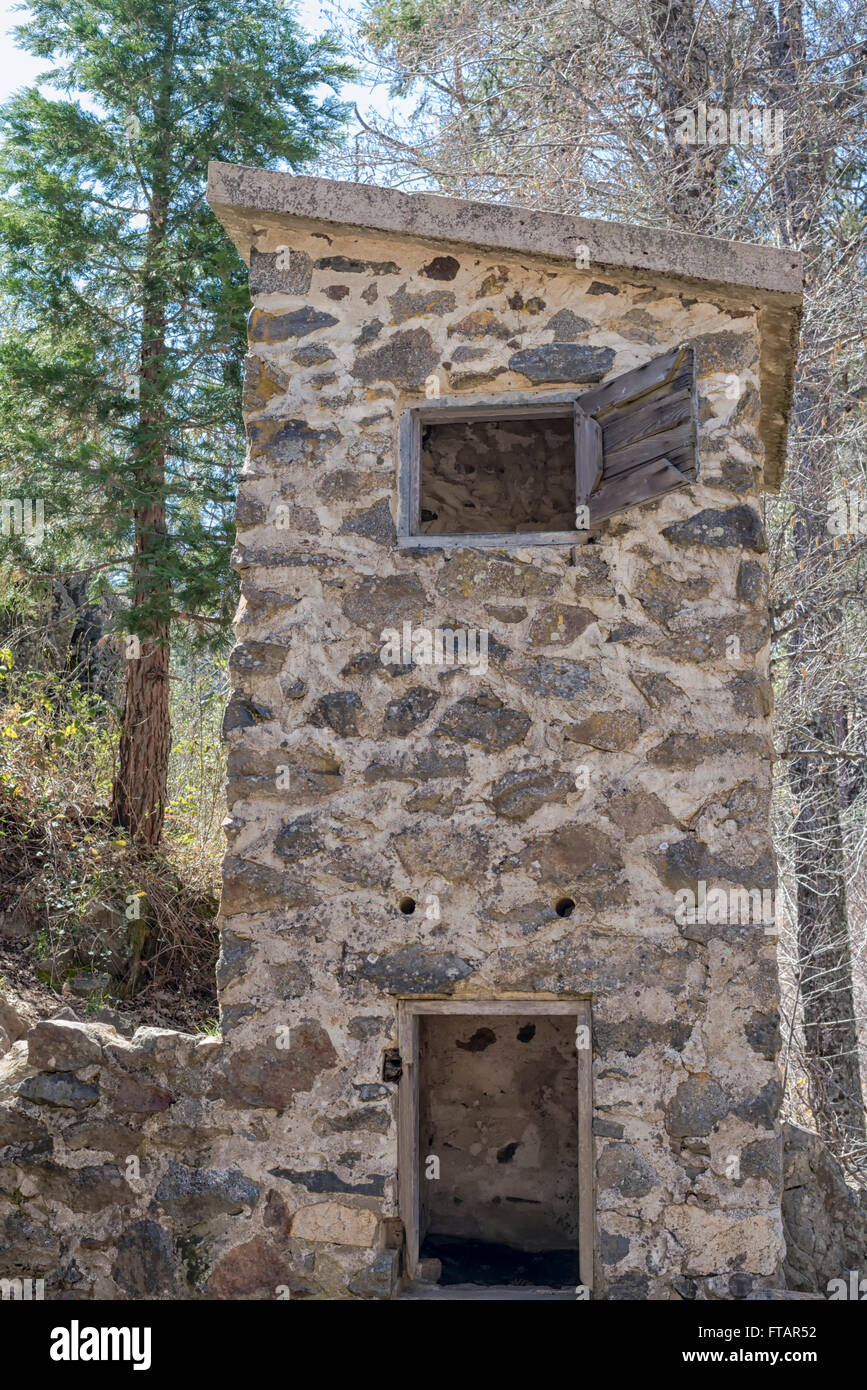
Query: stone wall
pixel 616 750
pixel 355 785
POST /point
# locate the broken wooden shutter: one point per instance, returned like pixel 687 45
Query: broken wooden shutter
pixel 647 421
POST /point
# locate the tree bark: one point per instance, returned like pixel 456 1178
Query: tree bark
pixel 824 954
pixel 141 784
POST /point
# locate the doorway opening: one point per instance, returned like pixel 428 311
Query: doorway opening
pixel 494 1179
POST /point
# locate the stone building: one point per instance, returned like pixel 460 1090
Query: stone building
pixel 498 980
pixel 475 751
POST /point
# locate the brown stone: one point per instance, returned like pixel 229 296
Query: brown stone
pixel 560 624
pixel 481 323
pixel 269 1076
pixel 638 813
pixel 572 855
pixel 684 751
pixel 610 731
pixel 252 1270
pixel 405 305
pixel 336 1224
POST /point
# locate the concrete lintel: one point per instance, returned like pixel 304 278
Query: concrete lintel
pixel 241 196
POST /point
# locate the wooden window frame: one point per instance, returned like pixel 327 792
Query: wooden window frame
pixel 517 405
pixel 409 1012
pixel 583 406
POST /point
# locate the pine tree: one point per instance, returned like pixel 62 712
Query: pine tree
pixel 123 310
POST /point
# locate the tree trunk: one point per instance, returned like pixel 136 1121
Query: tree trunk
pixel 140 789
pixel 824 954
pixel 683 80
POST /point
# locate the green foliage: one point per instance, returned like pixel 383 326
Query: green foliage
pixel 123 301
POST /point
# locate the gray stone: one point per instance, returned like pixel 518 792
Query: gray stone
pixel 298 839
pixel 623 1168
pixel 258 658
pixel 518 794
pixel 404 715
pixel 276 328
pixel 244 713
pixel 761 1109
pixel 763 1034
pixel 379 1279
pixel 441 268
pixel 338 711
pixel 313 355
pixel 696 1107
pixel 372 1118
pixel 323 1180
pixel 738 528
pixel 750 581
pixel 376 523
pixel 567 327
pixel 613 1248
pixel 234 960
pixel 267 277
pixel 292 980
pixel 558 680
pixel 407 358
pixel 629 1288
pixel 386 602
pixel 144 1265
pixel 405 305
pixel 371 1090
pixel 349 265
pixel 633 1035
pixel 460 853
pixel 484 720
pixel 62 1045
pixel 193 1195
pixel 563 362
pixel 409 970
pixel 291 441
pixel 58 1089
pixel 269 1077
pixel 369 333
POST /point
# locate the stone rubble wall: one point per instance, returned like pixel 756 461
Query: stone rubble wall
pixel 824 1218
pixel 268 1158
pixel 108 1189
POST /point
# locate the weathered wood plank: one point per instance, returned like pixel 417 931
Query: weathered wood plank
pixel 407 1136
pixel 586 1164
pixel 517 410
pixel 655 446
pixel 658 411
pixel 650 480
pixel 681 380
pixel 507 540
pixel 533 1005
pixel 630 384
pixel 408 468
pixel 588 456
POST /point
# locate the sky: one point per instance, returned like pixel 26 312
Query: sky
pixel 18 69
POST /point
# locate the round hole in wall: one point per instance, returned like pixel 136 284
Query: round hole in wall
pixel 564 907
pixel 407 906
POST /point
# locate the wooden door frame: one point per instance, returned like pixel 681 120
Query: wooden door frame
pixel 409 1012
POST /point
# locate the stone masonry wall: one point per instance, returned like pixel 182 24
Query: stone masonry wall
pixel 616 750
